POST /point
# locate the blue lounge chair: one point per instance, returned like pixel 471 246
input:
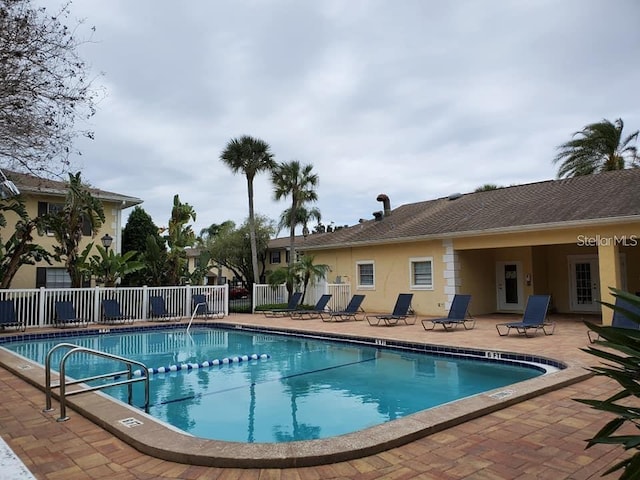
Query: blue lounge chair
pixel 111 312
pixel 351 311
pixel 316 311
pixel 201 306
pixel 292 306
pixel 66 315
pixel 401 311
pixel 458 315
pixel 8 317
pixel 534 318
pixel 158 309
pixel 620 318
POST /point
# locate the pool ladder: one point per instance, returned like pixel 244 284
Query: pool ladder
pixel 62 385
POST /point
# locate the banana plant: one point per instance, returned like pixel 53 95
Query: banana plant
pixel 109 267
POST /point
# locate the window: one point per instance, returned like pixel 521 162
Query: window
pixel 366 275
pixel 275 257
pixel 52 278
pixel 286 257
pixel 46 207
pixel 421 273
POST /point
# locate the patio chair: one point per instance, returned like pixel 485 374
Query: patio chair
pixel 292 306
pixel 111 312
pixel 158 310
pixel 8 317
pixel 201 306
pixel 401 311
pixel 316 311
pixel 620 319
pixel 351 311
pixel 458 315
pixel 66 315
pixel 534 318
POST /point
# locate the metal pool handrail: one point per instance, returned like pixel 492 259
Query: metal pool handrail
pixel 195 310
pixel 63 383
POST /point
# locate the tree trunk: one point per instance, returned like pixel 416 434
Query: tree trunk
pixel 252 232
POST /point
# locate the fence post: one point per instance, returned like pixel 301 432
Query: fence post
pixel 145 302
pixel 41 305
pixel 188 299
pixel 96 305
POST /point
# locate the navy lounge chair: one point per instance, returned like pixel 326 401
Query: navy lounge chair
pixel 292 306
pixel 620 319
pixel 111 312
pixel 8 317
pixel 159 309
pixel 315 312
pixel 458 315
pixel 201 306
pixel 66 315
pixel 534 318
pixel 401 311
pixel 351 311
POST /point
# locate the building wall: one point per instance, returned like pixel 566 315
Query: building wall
pixel 543 255
pixel 392 274
pixel 26 276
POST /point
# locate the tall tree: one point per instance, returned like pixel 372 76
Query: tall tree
pixel 80 208
pixel 598 147
pixel 43 86
pixel 179 236
pixel 299 182
pixel 135 235
pixel 250 156
pixel 231 247
pixel 304 216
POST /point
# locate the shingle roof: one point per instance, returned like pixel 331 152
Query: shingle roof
pixel 31 184
pixel 596 198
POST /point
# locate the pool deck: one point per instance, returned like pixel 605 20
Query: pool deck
pixel 539 438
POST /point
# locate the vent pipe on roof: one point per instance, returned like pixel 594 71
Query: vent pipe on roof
pixel 377 215
pixel 385 203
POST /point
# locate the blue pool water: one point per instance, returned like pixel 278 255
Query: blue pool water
pixel 305 389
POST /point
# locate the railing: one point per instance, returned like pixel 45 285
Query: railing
pixel 340 294
pixel 74 349
pixel 35 307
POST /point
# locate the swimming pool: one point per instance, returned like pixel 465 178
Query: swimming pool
pixel 286 388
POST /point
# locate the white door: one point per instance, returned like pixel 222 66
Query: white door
pixel 509 286
pixel 584 280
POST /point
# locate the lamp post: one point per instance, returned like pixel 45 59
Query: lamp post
pixel 106 241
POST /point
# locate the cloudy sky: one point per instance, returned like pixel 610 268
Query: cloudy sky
pixel 416 99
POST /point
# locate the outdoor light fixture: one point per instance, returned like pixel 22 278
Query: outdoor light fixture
pixel 106 241
pixel 7 188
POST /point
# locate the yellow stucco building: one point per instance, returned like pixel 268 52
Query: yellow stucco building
pixel 570 238
pixel 40 196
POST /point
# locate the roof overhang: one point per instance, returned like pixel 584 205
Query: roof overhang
pixel 595 222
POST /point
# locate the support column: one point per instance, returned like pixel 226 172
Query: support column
pixel 610 276
pixel 451 272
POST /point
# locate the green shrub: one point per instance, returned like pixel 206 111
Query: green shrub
pixel 620 350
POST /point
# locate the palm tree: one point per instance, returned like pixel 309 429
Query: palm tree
pixel 598 147
pixel 67 225
pixel 299 182
pixel 309 272
pixel 305 215
pixel 250 156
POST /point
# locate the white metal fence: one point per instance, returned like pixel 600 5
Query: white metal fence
pixel 35 307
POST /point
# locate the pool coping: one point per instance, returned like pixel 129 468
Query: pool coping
pixel 156 438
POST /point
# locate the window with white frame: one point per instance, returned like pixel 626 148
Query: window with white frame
pixel 421 273
pixel 366 274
